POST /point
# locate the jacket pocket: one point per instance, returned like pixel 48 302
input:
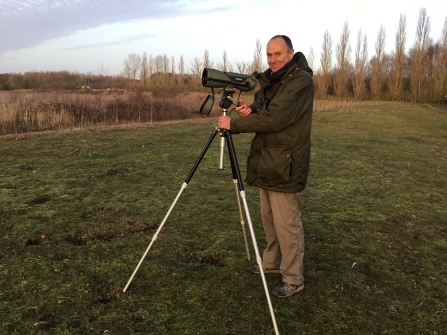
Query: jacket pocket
pixel 275 164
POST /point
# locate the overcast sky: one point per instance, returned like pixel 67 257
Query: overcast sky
pixel 97 35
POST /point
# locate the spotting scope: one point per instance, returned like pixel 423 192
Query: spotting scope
pixel 219 79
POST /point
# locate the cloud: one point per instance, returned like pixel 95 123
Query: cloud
pixel 28 23
pixel 116 41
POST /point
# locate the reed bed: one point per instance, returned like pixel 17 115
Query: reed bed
pixel 36 112
pixel 31 112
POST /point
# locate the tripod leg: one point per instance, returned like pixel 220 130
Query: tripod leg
pixel 222 150
pixel 236 188
pixel 155 235
pixel 242 218
pixel 184 185
pixel 235 166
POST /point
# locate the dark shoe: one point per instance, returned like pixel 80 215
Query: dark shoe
pixel 256 270
pixel 286 290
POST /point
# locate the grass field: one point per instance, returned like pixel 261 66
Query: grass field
pixel 78 209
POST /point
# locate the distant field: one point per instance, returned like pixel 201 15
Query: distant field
pixel 79 207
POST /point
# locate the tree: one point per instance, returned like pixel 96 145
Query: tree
pixel 158 68
pixel 418 52
pixel 311 58
pixel 144 72
pixel 15 81
pixel 207 63
pixel 171 79
pixel 181 70
pixel 440 67
pixel 242 67
pixel 102 73
pixel 326 65
pixel 256 65
pixel 341 73
pixel 131 66
pixel 224 65
pixel 165 68
pixel 378 65
pixel 398 61
pixel 150 68
pixel 361 55
pixel 196 68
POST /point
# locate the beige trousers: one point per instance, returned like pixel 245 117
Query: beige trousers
pixel 281 217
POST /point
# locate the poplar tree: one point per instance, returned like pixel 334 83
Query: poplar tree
pixel 440 67
pixel 361 55
pixel 418 67
pixel 326 65
pixel 341 73
pixel 398 61
pixel 378 64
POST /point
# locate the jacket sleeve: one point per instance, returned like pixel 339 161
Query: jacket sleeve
pixel 284 110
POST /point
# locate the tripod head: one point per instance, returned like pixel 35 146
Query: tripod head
pixel 225 102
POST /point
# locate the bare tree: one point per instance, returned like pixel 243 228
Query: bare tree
pixel 150 67
pixel 158 68
pixel 225 65
pixel 326 64
pixel 256 65
pixel 144 69
pixel 398 63
pixel 242 67
pixel 131 66
pixel 343 52
pixel 181 70
pixel 311 58
pixel 207 63
pixel 196 68
pixel 378 64
pixel 422 41
pixel 172 78
pixel 165 68
pixel 102 73
pixel 361 55
pixel 440 67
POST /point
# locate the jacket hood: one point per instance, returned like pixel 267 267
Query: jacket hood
pixel 301 61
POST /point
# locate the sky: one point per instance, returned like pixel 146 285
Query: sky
pixel 96 36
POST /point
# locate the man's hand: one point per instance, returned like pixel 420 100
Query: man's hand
pixel 224 122
pixel 243 109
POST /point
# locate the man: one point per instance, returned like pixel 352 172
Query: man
pixel 278 162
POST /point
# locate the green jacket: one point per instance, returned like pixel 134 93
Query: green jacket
pixel 280 151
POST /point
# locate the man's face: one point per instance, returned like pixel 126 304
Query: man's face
pixel 278 54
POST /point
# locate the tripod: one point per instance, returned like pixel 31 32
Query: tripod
pixel 237 179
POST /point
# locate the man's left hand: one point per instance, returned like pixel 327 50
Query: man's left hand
pixel 224 122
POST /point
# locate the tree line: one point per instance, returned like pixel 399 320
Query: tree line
pixel 162 70
pixel 419 74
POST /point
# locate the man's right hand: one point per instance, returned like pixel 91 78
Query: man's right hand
pixel 243 109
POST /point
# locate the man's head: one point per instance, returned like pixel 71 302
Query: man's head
pixel 279 52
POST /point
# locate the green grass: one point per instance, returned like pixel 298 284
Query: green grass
pixel 78 210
